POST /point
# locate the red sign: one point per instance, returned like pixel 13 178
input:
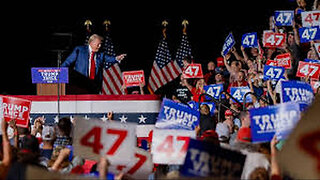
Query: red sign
pixel 220 61
pixel 17 109
pixel 193 71
pixel 311 70
pixel 273 40
pixel 315 85
pixel 271 62
pixel 284 60
pixel 133 78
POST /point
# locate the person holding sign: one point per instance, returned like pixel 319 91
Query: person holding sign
pixel 88 63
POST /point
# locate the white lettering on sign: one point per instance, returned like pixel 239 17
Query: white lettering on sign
pixel 269 122
pixel 49 76
pixel 201 165
pixel 134 78
pixel 299 94
pixel 178 116
pixel 14 111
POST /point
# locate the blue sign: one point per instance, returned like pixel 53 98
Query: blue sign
pixel 195 105
pixel 46 75
pixel 268 121
pixel 205 159
pixel 308 34
pixel 174 115
pixel 214 90
pixel 283 18
pixel 312 61
pixel 239 92
pixel 298 92
pixel 273 72
pixel 228 44
pixel 249 40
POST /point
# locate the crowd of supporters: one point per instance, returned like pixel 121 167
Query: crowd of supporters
pixel 50 148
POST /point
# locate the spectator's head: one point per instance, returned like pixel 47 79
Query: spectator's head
pixel 186 61
pixel 262 102
pixel 65 126
pixel 210 136
pixel 254 51
pixel 228 115
pixel 244 134
pixel 204 109
pixel 219 76
pixel 23 131
pixel 312 54
pixel 259 173
pixel 291 38
pixel 211 66
pixel 223 132
pixel 235 66
pixel 29 151
pixel 250 64
pixel 245 118
pixel 95 42
pixel 200 83
pixel 301 3
pixel 240 76
pixel 48 135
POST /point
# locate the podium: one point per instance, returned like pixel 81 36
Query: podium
pixel 50 81
pixel 51 89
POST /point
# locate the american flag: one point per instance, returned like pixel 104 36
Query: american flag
pixel 112 76
pixel 164 69
pixel 184 49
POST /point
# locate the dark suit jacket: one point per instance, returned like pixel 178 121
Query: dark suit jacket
pixel 80 56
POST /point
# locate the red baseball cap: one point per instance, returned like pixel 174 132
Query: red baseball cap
pixel 228 113
pixel 244 134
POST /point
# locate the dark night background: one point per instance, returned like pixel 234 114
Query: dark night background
pixel 135 30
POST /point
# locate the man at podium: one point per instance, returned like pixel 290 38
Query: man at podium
pixel 88 61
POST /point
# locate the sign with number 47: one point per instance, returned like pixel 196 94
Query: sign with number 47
pixel 170 146
pixel 94 138
pixel 308 70
pixel 193 71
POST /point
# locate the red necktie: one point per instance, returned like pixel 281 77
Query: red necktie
pixel 92 67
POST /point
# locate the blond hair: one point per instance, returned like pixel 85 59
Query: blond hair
pixel 93 37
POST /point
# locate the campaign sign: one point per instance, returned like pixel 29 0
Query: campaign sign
pixel 213 90
pixel 284 60
pixel 17 109
pixel 311 70
pixel 308 34
pixel 249 40
pixel 170 146
pixel 94 138
pixel 139 168
pixel 279 119
pixel 45 75
pixel 193 71
pixel 273 72
pixel 283 18
pixel 195 105
pixel 174 115
pixel 317 47
pixel 205 159
pixel 239 92
pixel 298 92
pixel 273 40
pixel 310 18
pixel 312 61
pixel 228 44
pixel 133 78
pixel 271 62
pixel 315 85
